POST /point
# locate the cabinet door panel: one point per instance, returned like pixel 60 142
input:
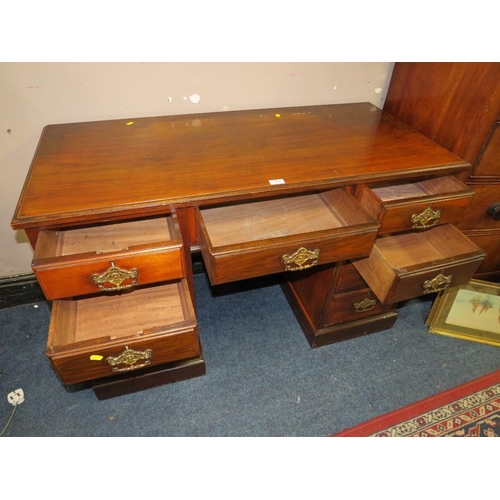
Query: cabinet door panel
pixel 486 199
pixel 489 161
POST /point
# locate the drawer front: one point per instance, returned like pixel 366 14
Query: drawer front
pixel 102 336
pixel 404 266
pixel 106 362
pixel 410 285
pixel 484 210
pixel 115 272
pixel 353 306
pixel 255 239
pixel 489 161
pixel 65 266
pixel 417 206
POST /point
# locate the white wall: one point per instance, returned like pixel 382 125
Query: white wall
pixel 33 95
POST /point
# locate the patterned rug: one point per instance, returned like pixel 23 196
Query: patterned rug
pixel 468 410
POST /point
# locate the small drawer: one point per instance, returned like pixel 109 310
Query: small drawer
pixel 412 264
pixel 417 205
pixel 106 335
pixel 108 257
pixel 354 305
pixel 289 234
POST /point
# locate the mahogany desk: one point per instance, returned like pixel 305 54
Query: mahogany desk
pixel 354 207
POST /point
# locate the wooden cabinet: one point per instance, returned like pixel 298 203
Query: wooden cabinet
pixel 352 207
pixel 458 106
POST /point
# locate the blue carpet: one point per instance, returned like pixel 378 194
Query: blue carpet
pixel 262 377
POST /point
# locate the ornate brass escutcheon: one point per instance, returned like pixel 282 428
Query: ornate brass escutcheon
pixel 364 305
pixel 129 357
pixel 440 282
pixel 427 218
pixel 299 259
pixel 115 276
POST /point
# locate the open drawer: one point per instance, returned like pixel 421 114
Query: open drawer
pixel 288 234
pixel 108 257
pixel 106 335
pixel 416 205
pixel 408 265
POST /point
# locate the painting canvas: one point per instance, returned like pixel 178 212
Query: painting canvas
pixel 470 312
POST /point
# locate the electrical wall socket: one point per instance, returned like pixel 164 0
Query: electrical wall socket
pixel 16 397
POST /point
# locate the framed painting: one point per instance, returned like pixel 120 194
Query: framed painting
pixel 469 312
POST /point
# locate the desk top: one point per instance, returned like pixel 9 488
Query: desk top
pixel 105 170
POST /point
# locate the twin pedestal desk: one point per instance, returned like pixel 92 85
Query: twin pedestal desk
pixel 354 208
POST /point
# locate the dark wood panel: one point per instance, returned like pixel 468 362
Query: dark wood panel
pixel 489 161
pixel 477 216
pixel 454 104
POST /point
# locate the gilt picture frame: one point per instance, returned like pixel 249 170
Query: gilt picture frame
pixel 469 312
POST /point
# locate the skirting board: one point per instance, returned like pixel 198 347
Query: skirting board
pixel 19 289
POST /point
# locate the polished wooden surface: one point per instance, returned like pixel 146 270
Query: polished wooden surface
pixel 156 163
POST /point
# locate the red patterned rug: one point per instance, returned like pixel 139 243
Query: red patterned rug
pixel 468 410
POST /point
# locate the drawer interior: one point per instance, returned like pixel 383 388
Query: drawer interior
pixel 416 249
pixel 109 317
pixel 104 238
pixel 252 222
pixel 412 264
pixel 440 186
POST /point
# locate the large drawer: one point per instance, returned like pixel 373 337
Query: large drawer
pixel 416 205
pixel 408 265
pixel 108 257
pixel 106 335
pixel 246 240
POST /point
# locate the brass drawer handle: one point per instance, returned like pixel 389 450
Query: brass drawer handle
pixel 129 357
pixel 427 218
pixel 115 276
pixel 364 305
pixel 440 282
pixel 299 259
